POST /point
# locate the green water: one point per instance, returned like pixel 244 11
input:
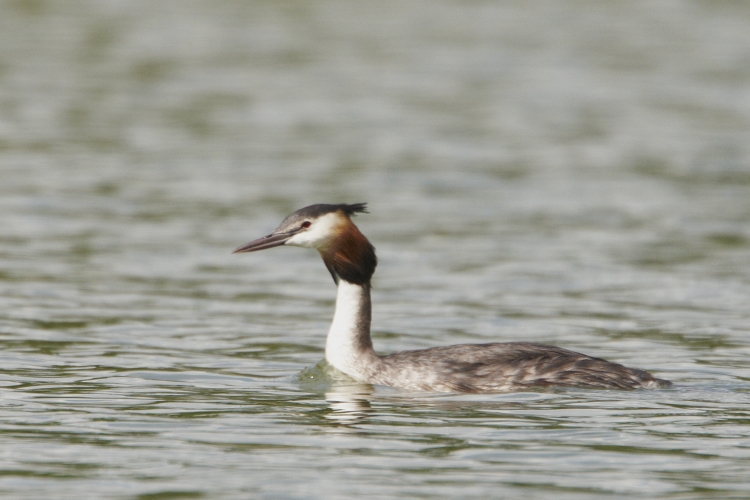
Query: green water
pixel 575 174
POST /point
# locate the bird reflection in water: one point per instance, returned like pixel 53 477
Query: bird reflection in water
pixel 349 403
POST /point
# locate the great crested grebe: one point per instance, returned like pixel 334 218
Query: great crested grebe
pixel 497 367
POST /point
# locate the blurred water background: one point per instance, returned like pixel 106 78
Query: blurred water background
pixel 574 173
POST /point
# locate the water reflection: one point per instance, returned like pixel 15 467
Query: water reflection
pixel 349 403
pixel 574 173
pixel 347 400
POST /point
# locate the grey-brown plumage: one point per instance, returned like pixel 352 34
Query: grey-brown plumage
pixel 498 367
pixel 509 366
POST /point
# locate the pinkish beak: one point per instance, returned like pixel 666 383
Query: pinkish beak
pixel 270 241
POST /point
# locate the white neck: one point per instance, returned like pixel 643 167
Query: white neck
pixel 348 347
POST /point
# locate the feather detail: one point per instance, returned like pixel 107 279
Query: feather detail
pixel 350 256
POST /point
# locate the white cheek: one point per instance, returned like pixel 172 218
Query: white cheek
pixel 304 239
pixel 321 231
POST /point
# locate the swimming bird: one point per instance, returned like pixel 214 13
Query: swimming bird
pixel 472 368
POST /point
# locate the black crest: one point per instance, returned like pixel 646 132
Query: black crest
pixel 354 208
pixel 314 211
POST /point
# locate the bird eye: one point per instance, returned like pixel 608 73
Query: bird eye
pixel 306 224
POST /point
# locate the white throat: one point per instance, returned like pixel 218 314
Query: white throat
pixel 348 346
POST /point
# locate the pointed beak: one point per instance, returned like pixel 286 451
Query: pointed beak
pixel 270 241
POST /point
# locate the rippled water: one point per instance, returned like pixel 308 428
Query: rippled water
pixel 574 173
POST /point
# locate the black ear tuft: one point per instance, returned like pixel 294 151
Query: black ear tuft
pixel 320 209
pixel 355 208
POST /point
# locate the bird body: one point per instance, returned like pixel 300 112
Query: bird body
pixel 495 367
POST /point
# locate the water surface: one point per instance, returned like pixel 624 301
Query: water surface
pixel 575 174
